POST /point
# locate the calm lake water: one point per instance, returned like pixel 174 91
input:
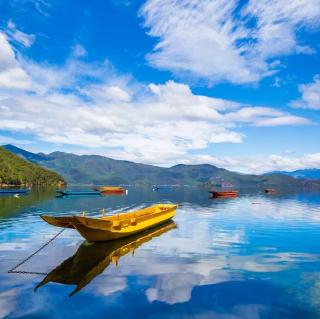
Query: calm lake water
pixel 255 256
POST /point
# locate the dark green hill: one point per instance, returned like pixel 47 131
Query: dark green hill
pixel 16 171
pixel 94 169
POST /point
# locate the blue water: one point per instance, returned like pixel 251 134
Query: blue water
pixel 255 256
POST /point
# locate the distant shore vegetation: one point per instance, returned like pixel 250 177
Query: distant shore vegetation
pixel 15 171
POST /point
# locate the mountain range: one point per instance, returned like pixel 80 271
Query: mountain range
pixel 311 173
pixel 96 169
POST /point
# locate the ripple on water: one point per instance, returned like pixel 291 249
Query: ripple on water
pixel 222 253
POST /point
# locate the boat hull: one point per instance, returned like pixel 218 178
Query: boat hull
pixel 114 189
pixel 63 193
pixel 115 226
pixel 14 191
pixel 224 193
pixel 270 191
pixel 95 234
pixel 112 192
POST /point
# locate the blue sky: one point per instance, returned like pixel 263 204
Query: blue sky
pixel 231 83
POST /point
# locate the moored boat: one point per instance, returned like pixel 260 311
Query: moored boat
pixel 161 187
pixel 14 191
pixel 230 193
pixel 110 193
pixel 270 190
pixel 91 259
pixel 77 193
pixel 110 189
pixel 115 226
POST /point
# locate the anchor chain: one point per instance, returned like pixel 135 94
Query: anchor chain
pixel 14 269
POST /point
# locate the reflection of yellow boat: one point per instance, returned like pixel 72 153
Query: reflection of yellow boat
pixel 115 226
pixel 91 259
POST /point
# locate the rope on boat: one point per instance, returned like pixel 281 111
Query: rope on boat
pixel 14 269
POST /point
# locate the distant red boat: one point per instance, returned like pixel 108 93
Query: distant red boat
pixel 224 193
pixel 270 190
pixel 112 192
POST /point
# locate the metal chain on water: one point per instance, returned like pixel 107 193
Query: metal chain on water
pixel 13 270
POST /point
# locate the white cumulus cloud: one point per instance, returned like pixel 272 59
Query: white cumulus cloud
pixel 258 164
pixel 12 75
pixel 89 105
pixel 310 95
pixel 224 40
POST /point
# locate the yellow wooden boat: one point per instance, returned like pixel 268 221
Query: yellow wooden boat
pixel 91 259
pixel 114 189
pixel 115 226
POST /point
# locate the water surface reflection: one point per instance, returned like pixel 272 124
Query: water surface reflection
pixel 255 256
pixel 91 259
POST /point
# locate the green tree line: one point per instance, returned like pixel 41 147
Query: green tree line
pixel 17 171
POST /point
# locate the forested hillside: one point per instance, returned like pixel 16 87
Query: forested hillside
pixel 16 171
